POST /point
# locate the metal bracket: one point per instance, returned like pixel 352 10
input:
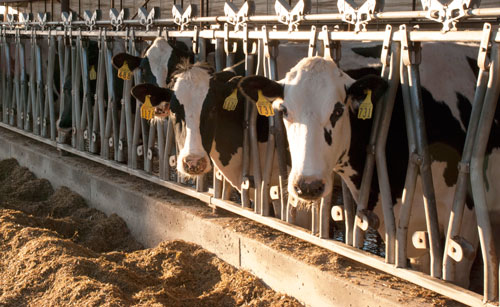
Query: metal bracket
pixel 25 19
pixel 90 18
pixel 420 240
pixel 289 16
pixel 246 51
pixel 147 19
pixel 183 17
pixel 386 46
pixel 11 18
pixel 359 16
pixel 447 14
pixel 410 52
pixel 238 17
pixel 196 37
pixel 312 42
pixel 42 19
pixel 67 19
pixel 327 45
pixel 483 47
pixel 337 213
pixel 118 17
pixel 226 41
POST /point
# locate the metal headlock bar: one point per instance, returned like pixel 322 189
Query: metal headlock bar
pixel 111 131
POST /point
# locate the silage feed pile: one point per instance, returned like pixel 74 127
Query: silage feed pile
pixel 56 251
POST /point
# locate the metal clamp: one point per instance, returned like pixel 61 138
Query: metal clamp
pixel 247 51
pixel 118 17
pixel 90 18
pixel 11 19
pixel 67 19
pixel 359 17
pixel 226 41
pixel 238 17
pixel 328 46
pixel 183 17
pixel 147 19
pixel 447 14
pixel 386 46
pixel 289 16
pixel 410 52
pixel 483 47
pixel 196 34
pixel 25 19
pixel 312 42
pixel 42 19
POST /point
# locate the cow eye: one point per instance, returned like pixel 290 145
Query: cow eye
pixel 283 110
pixel 337 112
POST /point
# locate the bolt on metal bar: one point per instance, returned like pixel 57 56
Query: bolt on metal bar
pixel 477 178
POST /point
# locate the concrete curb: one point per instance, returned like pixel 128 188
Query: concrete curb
pixel 154 214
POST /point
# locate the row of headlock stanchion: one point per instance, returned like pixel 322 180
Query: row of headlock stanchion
pixel 100 127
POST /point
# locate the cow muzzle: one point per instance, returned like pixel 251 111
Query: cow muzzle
pixel 194 165
pixel 308 188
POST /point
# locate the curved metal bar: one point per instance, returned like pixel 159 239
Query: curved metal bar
pixel 380 157
pixel 477 178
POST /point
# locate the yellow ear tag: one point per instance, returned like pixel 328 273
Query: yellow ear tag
pixel 366 107
pixel 124 72
pixel 92 73
pixel 264 107
pixel 231 101
pixel 147 110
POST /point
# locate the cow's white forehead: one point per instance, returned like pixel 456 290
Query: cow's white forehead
pixel 314 85
pixel 158 55
pixel 191 86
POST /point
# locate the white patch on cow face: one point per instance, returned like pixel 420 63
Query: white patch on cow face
pixel 191 88
pixel 312 89
pixel 158 55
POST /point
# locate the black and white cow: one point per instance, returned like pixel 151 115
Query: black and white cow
pixel 158 61
pixel 320 104
pixel 204 129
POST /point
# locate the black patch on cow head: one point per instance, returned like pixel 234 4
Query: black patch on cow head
pixel 157 94
pixel 328 136
pixel 180 54
pixel 132 61
pixel 337 112
pixel 465 108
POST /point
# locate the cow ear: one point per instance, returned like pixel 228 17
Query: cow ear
pixel 250 87
pixel 157 95
pixel 132 61
pixel 370 88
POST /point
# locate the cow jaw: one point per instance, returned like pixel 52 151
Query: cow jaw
pixel 191 88
pixel 314 90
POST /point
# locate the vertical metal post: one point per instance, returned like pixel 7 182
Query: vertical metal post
pixel 15 108
pixel 349 211
pixel 31 111
pixel 23 87
pixel 50 85
pixel 477 178
pixel 380 157
pixel 423 156
pixel 455 222
pixel 8 84
pixel 113 132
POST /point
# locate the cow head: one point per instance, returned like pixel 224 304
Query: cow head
pixel 319 103
pixel 196 97
pixel 158 62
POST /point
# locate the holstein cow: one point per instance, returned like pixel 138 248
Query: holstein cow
pixel 320 104
pixel 158 61
pixel 205 130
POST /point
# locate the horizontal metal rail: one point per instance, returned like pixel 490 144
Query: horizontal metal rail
pixel 413 35
pixel 442 287
pixel 333 17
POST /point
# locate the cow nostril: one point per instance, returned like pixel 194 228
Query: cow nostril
pixel 297 190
